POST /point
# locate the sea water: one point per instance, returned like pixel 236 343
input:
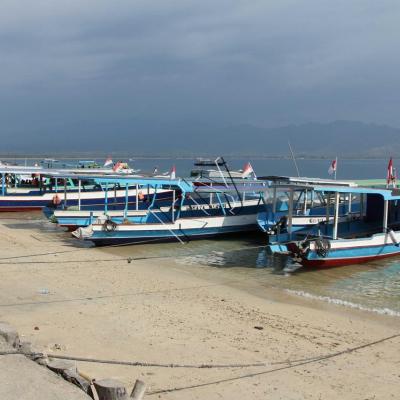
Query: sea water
pixel 346 169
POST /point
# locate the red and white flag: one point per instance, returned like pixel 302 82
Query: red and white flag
pixel 108 162
pixel 172 175
pixel 118 166
pixel 248 170
pixel 332 167
pixel 391 174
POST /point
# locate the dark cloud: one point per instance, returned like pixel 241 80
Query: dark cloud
pixel 72 66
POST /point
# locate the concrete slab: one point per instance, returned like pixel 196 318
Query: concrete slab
pixel 23 379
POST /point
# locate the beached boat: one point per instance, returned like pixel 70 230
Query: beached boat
pixel 374 236
pixel 73 218
pixel 62 188
pixel 195 212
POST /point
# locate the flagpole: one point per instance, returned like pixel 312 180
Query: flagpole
pixel 294 159
pixel 389 176
pixel 335 167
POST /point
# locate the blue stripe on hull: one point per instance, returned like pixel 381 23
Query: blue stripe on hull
pixel 356 253
pixel 92 204
pixel 164 216
pixel 135 237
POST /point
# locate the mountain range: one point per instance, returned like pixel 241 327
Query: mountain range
pixel 313 139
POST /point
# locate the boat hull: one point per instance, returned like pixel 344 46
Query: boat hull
pixel 92 199
pixel 343 252
pixel 185 229
pixel 341 262
pixel 162 208
pixel 165 237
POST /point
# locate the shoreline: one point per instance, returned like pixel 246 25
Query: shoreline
pixel 87 304
pixel 292 297
pixel 9 157
pixel 265 290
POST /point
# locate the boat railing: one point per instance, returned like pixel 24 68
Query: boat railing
pixel 232 203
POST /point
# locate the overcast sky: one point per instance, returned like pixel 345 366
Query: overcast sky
pixel 77 64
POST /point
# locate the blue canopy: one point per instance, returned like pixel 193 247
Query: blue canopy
pixel 387 194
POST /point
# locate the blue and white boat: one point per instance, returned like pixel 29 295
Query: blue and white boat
pixel 31 188
pixel 195 212
pixel 73 218
pixel 374 236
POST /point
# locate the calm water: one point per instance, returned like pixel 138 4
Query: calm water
pixel 347 169
pixel 373 286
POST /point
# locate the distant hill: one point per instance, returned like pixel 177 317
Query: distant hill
pixel 342 138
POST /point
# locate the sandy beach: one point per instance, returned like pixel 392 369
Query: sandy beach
pixel 91 302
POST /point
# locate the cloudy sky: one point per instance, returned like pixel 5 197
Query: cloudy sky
pixel 73 67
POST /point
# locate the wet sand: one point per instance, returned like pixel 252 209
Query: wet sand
pixel 92 303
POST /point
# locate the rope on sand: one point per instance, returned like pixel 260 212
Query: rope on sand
pixel 286 367
pixel 292 363
pixel 158 365
pixel 128 259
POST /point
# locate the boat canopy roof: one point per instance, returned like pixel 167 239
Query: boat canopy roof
pixel 154 182
pixel 20 170
pixel 73 173
pixel 387 194
pixel 306 181
pixel 126 179
pixel 239 186
pixel 202 162
pixel 185 185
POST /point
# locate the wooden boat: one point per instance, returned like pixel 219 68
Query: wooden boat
pixel 73 218
pixel 225 210
pixel 62 188
pixel 373 237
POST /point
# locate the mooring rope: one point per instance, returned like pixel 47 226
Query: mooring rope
pixel 158 365
pixel 292 363
pixel 45 254
pixel 128 259
pixel 269 371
